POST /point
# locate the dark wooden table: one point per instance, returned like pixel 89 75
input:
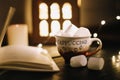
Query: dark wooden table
pixel 109 72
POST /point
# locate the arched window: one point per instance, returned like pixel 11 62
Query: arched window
pixel 43 28
pixel 50 16
pixel 55 16
pixel 55 27
pixel 43 11
pixel 54 11
pixel 43 16
pixel 67 11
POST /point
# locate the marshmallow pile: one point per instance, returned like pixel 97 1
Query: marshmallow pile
pixel 93 63
pixel 74 31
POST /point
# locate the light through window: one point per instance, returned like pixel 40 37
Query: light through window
pixel 43 11
pixel 49 29
pixel 55 27
pixel 50 16
pixel 54 11
pixel 43 28
pixel 67 11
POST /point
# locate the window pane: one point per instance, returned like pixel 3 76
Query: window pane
pixel 55 27
pixel 67 11
pixel 43 28
pixel 43 11
pixel 54 11
pixel 66 23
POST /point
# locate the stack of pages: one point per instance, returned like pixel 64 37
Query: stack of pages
pixel 26 58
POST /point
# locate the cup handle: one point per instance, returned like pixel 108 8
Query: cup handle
pixel 97 49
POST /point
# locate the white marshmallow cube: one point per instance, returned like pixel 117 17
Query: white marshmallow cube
pixel 95 63
pixel 78 61
pixel 59 33
pixel 82 32
pixel 70 30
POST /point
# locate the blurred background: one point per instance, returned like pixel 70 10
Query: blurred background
pixel 45 17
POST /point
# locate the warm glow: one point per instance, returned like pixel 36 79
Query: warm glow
pixel 103 22
pixel 118 17
pixel 39 45
pixel 46 29
pixel 43 11
pixel 66 23
pixel 54 11
pixel 55 27
pixel 67 11
pixel 95 35
pixel 119 52
pixel 113 59
pixel 79 3
pixel 116 60
pixel 43 28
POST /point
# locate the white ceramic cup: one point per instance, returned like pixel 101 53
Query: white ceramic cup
pixel 17 34
pixel 72 46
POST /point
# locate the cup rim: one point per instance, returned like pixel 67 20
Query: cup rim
pixel 72 37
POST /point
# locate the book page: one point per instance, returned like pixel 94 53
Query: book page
pixel 24 57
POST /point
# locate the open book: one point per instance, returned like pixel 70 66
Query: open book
pixel 27 58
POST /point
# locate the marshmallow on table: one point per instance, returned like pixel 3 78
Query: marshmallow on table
pixel 95 63
pixel 78 61
pixel 70 30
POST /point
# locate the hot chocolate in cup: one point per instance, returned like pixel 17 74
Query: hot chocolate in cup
pixel 77 45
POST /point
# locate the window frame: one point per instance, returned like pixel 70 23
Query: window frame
pixel 36 39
